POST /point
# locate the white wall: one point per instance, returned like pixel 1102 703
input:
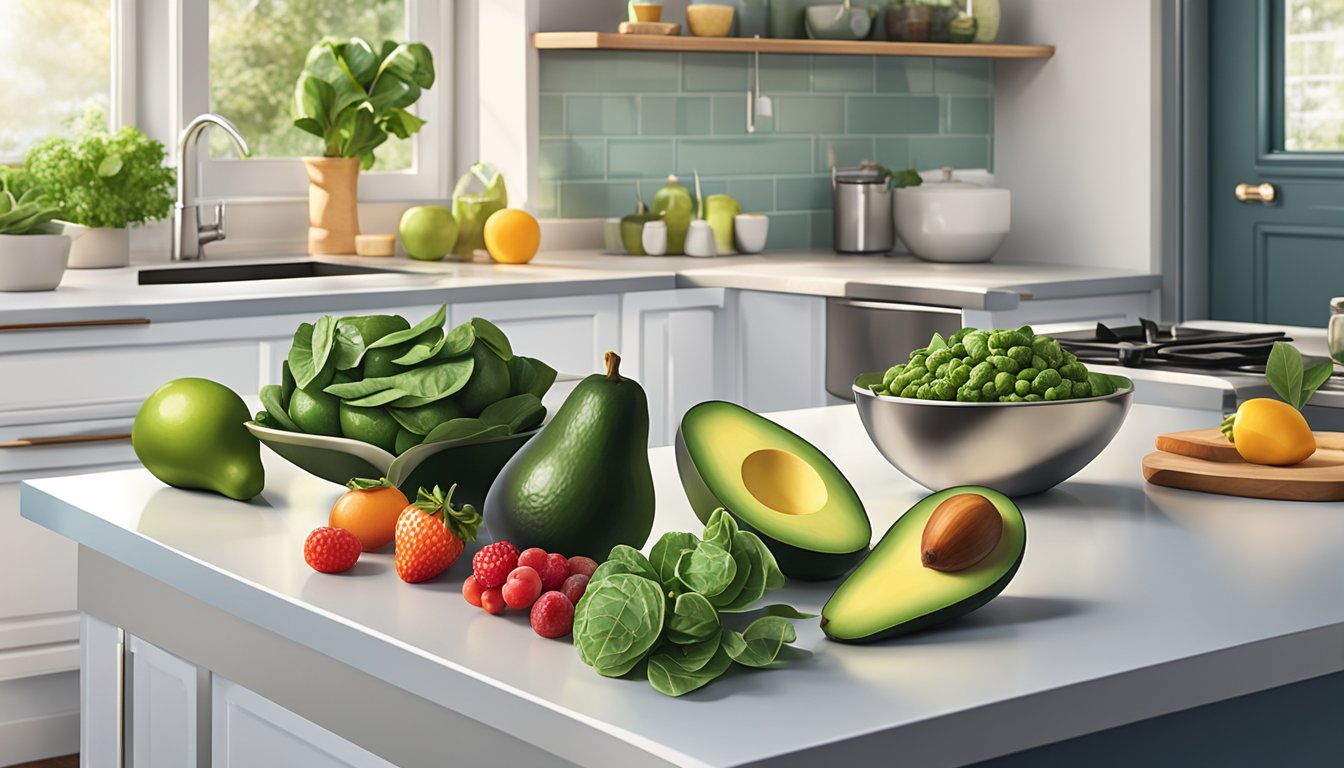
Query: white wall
pixel 1074 135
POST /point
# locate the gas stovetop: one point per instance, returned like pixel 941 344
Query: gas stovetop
pixel 1172 346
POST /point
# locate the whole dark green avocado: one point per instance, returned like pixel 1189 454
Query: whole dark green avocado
pixel 583 484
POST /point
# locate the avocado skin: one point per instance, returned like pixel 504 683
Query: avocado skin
pixel 795 562
pixel 583 485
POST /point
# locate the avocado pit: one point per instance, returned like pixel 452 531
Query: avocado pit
pixel 961 532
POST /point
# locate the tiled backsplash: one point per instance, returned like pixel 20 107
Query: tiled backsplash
pixel 609 119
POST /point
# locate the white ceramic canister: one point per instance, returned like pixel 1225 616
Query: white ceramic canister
pixel 98 247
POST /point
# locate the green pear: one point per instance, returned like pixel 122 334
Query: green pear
pixel 719 212
pixel 190 433
pixel 673 202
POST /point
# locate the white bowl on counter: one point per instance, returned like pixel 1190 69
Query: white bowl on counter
pixel 953 221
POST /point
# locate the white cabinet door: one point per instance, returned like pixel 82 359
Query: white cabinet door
pixel 163 692
pixel 570 333
pixel 101 652
pixel 251 731
pixel 778 346
pixel 670 345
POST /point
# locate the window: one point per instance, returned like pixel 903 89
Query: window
pixel 1314 76
pixel 55 63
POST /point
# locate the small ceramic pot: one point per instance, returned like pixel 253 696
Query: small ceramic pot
pixel 700 239
pixel 753 18
pixel 98 247
pixel 750 231
pixel 654 238
pixel 646 11
pixel 611 237
pixel 33 262
pixel 707 20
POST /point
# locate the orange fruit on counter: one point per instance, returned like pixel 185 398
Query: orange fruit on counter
pixel 512 236
pixel 369 510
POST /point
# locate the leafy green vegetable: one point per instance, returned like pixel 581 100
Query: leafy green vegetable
pixel 489 334
pixel 352 95
pixel 617 622
pixel 761 642
pixel 693 619
pixel 435 320
pixel 691 656
pixel 529 375
pixel 303 362
pixel 519 413
pixel 273 401
pixel 707 569
pixel 434 381
pixel 624 559
pixel 25 211
pixel 665 553
pixel 464 428
pixel 1285 373
pixel 670 678
pixel 347 346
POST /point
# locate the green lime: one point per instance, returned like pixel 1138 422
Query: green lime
pixel 424 418
pixel 316 412
pixel 374 426
pixel 406 440
pixel 489 381
pixel 378 362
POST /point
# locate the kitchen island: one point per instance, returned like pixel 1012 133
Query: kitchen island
pixel 1132 602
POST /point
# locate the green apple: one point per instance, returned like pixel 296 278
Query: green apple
pixel 673 202
pixel 428 232
pixel 719 212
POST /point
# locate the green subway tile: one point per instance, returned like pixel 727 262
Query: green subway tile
pixel 805 193
pixel 893 152
pixel 809 114
pixel 674 115
pixel 849 152
pixel 572 159
pixel 597 199
pixel 714 72
pixel 639 158
pixel 902 75
pixel 548 200
pixel 552 115
pixel 954 151
pixel 823 230
pixel 782 74
pixel 851 74
pixel 963 76
pixel 721 157
pixel 893 114
pixel 754 195
pixel 730 117
pixel 968 114
pixel 607 72
pixel 601 115
pixel 789 231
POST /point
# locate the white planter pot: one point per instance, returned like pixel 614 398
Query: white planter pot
pixel 99 247
pixel 32 262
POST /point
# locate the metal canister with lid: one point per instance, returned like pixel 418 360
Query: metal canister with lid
pixel 861 199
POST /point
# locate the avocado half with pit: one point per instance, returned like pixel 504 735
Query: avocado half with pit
pixel 775 484
pixel 893 592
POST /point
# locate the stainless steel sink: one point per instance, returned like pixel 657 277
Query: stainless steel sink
pixel 228 273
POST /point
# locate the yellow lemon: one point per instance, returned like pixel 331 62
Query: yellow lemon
pixel 512 236
pixel 1267 431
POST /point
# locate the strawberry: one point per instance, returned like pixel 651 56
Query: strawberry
pixel 493 564
pixel 431 534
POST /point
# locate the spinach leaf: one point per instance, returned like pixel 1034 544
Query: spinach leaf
pixel 489 334
pixel 665 553
pixel 670 678
pixel 272 401
pixel 349 346
pixel 720 528
pixel 1284 372
pixel 783 611
pixel 431 381
pixel 463 429
pixel 693 619
pixel 707 569
pixel 301 356
pixel 742 553
pixel 529 375
pixel 624 559
pixel 759 645
pixel 377 398
pixel 433 321
pixel 424 348
pixel 754 586
pixel 324 338
pixel 618 621
pixel 694 656
pixel 774 578
pixel 459 341
pixel 519 413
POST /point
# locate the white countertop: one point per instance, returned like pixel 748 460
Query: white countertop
pixel 115 293
pixel 1132 601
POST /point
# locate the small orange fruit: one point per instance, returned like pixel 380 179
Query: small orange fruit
pixel 512 236
pixel 369 510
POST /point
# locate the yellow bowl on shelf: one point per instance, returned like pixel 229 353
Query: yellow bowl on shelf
pixel 705 20
pixel 648 12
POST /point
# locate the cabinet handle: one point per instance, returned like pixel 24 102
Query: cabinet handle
pixel 74 324
pixel 30 442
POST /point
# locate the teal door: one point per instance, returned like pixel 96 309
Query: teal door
pixel 1276 158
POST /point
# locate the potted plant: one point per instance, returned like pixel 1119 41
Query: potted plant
pixel 352 96
pixel 105 182
pixel 33 252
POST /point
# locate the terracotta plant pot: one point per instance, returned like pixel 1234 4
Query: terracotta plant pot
pixel 333 203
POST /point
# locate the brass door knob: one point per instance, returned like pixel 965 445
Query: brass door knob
pixel 1255 193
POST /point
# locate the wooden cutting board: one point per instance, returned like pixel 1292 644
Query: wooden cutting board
pixel 663 28
pixel 1203 460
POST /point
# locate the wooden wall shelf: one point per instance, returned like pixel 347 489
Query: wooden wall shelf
pixel 611 41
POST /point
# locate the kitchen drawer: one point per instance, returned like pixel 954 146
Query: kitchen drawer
pixel 570 334
pixel 64 447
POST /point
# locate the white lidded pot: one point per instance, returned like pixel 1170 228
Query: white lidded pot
pixel 953 221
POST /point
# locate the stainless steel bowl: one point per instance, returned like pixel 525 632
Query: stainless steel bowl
pixel 1015 448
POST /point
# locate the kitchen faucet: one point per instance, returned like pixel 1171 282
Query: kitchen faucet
pixel 189 234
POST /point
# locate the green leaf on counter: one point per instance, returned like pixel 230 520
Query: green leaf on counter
pixel 618 621
pixel 694 656
pixel 489 333
pixel 665 553
pixel 693 619
pixel 747 567
pixel 753 585
pixel 759 645
pixel 670 678
pixel 707 569
pixel 624 559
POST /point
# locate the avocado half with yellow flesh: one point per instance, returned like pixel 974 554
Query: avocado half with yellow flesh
pixel 893 593
pixel 777 485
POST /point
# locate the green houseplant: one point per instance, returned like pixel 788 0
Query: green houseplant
pixel 104 181
pixel 33 252
pixel 352 96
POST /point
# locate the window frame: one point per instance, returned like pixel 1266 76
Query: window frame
pixel 267 179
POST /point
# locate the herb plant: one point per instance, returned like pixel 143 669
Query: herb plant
pixel 673 612
pixel 102 178
pixel 352 96
pixel 23 208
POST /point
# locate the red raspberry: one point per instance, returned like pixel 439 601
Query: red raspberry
pixel 554 572
pixel 581 564
pixel 492 600
pixel 493 563
pixel 522 588
pixel 331 550
pixel 534 558
pixel 574 587
pixel 552 615
pixel 471 590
